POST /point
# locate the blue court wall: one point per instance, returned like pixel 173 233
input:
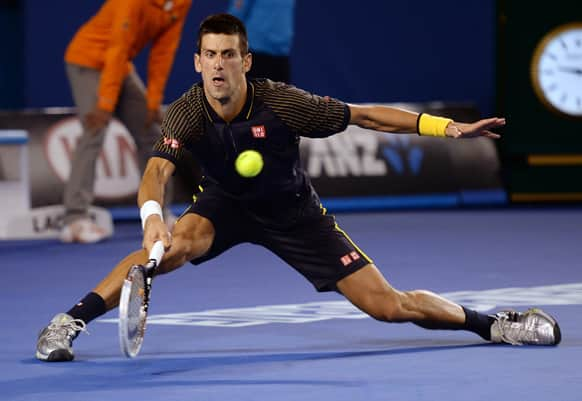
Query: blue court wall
pixel 365 51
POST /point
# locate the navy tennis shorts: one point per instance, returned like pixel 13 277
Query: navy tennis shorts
pixel 295 228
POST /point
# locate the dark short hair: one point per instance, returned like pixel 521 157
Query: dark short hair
pixel 226 24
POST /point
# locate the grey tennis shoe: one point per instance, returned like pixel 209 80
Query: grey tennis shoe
pixel 55 341
pixel 532 327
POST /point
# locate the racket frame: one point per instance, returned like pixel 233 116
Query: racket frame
pixel 128 347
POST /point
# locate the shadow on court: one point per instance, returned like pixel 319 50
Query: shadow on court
pixel 97 373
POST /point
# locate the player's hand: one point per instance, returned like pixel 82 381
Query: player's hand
pixel 154 116
pixel 96 120
pixel 155 229
pixel 476 129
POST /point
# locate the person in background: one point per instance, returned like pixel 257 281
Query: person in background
pixel 270 30
pixel 104 84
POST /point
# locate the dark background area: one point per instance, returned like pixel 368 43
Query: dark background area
pixel 368 51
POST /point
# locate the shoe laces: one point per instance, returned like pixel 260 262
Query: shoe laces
pixel 513 331
pixel 58 330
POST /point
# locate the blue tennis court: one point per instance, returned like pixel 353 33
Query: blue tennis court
pixel 247 327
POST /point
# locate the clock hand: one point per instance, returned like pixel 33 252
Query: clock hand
pixel 574 70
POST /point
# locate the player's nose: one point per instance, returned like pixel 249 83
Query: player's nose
pixel 218 62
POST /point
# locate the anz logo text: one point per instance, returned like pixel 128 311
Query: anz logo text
pixel 359 152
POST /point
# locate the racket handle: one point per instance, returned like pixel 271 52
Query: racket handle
pixel 157 252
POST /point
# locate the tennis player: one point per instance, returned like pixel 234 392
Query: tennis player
pixel 225 114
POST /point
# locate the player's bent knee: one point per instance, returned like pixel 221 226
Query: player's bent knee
pixel 195 235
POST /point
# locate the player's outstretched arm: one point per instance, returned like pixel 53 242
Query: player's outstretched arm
pixel 383 118
pixel 150 200
pixel 391 119
pixel 476 129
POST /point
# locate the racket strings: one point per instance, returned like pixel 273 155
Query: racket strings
pixel 136 309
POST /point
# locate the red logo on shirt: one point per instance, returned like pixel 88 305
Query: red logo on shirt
pixel 259 131
pixel 172 142
pixel 346 259
pixel 354 255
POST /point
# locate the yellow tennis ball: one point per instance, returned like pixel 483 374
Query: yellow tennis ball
pixel 249 163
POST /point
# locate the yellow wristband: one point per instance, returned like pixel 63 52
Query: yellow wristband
pixel 428 125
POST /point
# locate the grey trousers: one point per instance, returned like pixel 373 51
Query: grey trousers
pixel 131 110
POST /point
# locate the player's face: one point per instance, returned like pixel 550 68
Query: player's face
pixel 222 66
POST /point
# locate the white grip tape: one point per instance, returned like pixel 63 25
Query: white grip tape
pixel 157 252
pixel 147 209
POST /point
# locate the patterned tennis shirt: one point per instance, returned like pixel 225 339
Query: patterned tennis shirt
pixel 273 119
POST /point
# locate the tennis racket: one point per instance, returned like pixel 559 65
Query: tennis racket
pixel 134 302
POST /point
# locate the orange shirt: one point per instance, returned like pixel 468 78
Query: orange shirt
pixel 114 36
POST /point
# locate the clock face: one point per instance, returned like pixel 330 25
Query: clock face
pixel 557 70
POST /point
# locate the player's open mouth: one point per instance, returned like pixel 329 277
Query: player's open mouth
pixel 218 81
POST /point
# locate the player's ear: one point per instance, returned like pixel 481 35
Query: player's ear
pixel 197 65
pixel 247 62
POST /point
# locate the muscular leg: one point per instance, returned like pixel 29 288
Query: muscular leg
pixel 191 238
pixel 369 291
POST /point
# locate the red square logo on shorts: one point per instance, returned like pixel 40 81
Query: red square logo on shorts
pixel 346 260
pixel 259 131
pixel 354 255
